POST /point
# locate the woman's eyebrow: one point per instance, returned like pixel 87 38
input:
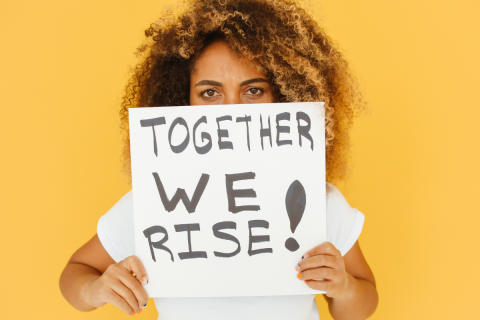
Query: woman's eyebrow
pixel 254 80
pixel 219 84
pixel 209 83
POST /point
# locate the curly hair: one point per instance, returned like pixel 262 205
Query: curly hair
pixel 290 47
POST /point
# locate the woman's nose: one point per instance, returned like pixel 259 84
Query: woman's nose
pixel 232 98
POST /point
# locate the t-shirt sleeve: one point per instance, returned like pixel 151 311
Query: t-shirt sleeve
pixel 344 223
pixel 115 229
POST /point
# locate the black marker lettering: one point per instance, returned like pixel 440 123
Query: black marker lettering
pixel 303 130
pixel 182 146
pixel 190 254
pixel 223 133
pixel 159 244
pixel 255 239
pixel 225 236
pixel 240 193
pixel 152 123
pixel 284 129
pixel 246 119
pixel 265 132
pixel 204 135
pixel 170 205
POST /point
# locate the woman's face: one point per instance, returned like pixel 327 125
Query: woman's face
pixel 221 78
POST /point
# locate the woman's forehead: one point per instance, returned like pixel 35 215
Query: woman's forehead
pixel 218 59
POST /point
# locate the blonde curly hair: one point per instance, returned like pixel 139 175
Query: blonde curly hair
pixel 290 47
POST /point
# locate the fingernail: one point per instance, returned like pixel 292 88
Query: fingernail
pixel 305 256
pixel 144 306
pixel 305 281
pixel 297 267
pixel 133 313
pixel 144 280
pixel 299 276
pixel 139 311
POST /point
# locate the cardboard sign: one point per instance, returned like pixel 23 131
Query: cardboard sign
pixel 227 198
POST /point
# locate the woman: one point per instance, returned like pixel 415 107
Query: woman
pixel 234 52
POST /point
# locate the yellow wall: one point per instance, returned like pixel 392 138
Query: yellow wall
pixel 63 65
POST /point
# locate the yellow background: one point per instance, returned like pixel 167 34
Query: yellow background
pixel 63 65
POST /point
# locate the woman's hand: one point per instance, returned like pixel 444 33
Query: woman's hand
pixel 118 286
pixel 324 262
pixel 348 280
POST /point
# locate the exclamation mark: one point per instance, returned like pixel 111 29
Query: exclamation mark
pixel 295 202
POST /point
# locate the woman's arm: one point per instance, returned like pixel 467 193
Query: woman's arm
pixel 91 279
pixel 349 281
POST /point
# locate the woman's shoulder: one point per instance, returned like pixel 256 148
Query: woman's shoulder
pixel 335 199
pixel 344 223
pixel 121 214
pixel 115 229
pixel 125 203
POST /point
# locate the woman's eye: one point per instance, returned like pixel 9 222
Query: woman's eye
pixel 254 91
pixel 210 93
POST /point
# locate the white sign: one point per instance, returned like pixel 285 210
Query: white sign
pixel 227 198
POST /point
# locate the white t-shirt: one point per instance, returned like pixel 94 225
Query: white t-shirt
pixel 344 225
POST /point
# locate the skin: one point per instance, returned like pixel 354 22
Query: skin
pixel 219 77
pixel 92 279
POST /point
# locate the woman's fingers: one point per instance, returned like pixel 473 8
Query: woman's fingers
pixel 323 268
pixel 118 301
pixel 133 285
pixel 133 265
pixel 319 285
pixel 127 294
pixel 120 286
pixel 325 248
pixel 323 279
pixel 318 273
pixel 317 262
